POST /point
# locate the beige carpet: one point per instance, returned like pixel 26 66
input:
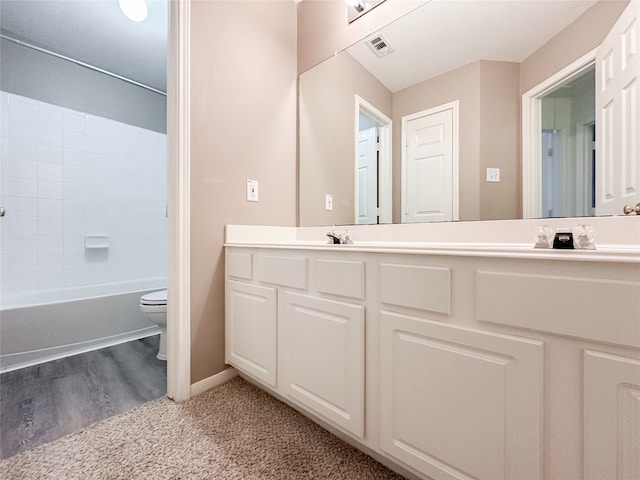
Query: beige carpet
pixel 234 431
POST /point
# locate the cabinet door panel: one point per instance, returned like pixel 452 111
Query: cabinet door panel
pixel 458 403
pixel 611 417
pixel 321 351
pixel 251 329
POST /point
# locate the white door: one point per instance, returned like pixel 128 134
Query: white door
pixel 429 186
pixel 618 115
pixel 368 176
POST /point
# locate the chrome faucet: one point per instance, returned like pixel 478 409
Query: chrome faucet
pixel 334 238
pixel 339 239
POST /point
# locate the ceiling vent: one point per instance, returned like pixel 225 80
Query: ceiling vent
pixel 379 45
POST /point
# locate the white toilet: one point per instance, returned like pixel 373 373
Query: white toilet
pixel 154 304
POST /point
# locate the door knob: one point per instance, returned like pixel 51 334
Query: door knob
pixel 1 211
pixel 628 209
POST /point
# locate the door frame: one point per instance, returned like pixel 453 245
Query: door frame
pixel 532 132
pixel 455 167
pixel 385 167
pixel 178 203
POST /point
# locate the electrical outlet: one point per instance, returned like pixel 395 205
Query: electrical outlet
pixel 328 202
pixel 252 190
pixel 493 174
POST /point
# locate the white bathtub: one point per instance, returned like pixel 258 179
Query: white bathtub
pixel 41 326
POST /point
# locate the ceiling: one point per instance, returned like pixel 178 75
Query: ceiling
pixel 95 32
pixel 443 35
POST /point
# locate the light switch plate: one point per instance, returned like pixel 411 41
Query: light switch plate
pixel 328 202
pixel 493 174
pixel 252 190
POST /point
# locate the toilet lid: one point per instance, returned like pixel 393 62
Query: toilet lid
pixel 154 298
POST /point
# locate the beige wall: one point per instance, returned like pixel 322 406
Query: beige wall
pixel 327 133
pixel 323 29
pixel 500 134
pixel 582 36
pixel 243 121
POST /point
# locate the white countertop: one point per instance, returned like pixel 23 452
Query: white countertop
pixel 623 239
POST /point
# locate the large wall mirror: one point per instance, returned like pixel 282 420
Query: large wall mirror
pixel 422 120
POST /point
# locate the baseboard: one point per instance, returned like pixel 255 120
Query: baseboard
pixel 213 381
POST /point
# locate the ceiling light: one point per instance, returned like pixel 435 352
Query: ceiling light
pixel 135 10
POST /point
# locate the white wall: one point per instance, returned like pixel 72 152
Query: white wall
pixel 66 174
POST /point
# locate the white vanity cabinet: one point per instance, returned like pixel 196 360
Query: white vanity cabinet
pixel 458 402
pixel 296 323
pixel 321 357
pixel 456 365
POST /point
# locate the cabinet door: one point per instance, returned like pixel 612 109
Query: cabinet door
pixel 458 403
pixel 250 323
pixel 321 352
pixel 611 417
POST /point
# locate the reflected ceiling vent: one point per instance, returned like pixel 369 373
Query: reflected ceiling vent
pixel 379 45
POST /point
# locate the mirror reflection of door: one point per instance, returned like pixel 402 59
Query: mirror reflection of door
pixel 588 162
pixel 368 161
pixel 430 165
pixel 566 154
pixel 373 165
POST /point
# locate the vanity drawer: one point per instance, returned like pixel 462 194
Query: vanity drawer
pixel 590 308
pixel 341 277
pixel 414 286
pixel 281 270
pixel 240 265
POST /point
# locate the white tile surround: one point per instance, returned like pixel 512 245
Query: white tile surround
pixel 67 174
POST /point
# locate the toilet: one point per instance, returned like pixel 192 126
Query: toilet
pixel 154 304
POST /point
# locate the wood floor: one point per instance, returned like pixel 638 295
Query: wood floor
pixel 42 403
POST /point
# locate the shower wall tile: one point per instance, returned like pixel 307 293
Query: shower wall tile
pixel 50 172
pixel 49 208
pixel 23 148
pixel 65 174
pixel 22 187
pixel 73 158
pixel 50 261
pixel 74 175
pixel 49 154
pixel 24 109
pixel 50 225
pixel 74 226
pixel 24 225
pixel 23 206
pixel 50 117
pixel 74 141
pixel 49 243
pixel 23 281
pixel 50 136
pixel 73 191
pixel 23 262
pixel 73 277
pixel 50 189
pixel 74 122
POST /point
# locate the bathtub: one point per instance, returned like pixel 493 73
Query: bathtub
pixel 41 326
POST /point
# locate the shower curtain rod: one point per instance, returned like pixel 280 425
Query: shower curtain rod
pixel 82 64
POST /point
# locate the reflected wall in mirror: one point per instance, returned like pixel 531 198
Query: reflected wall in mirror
pixel 482 55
